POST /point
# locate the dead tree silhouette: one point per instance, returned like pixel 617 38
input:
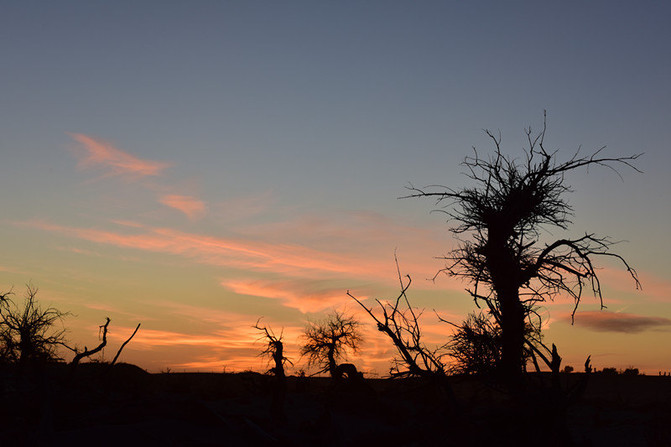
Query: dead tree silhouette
pixel 275 350
pixel 103 329
pixel 399 321
pixel 326 341
pixel 28 332
pixel 499 222
pixel 79 355
pixel 85 353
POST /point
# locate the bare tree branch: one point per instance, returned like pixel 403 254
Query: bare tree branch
pixel 86 352
pixel 118 353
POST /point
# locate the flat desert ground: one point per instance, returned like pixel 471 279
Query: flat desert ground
pixel 126 406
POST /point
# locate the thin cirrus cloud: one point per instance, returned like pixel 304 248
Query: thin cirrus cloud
pixel 96 153
pixel 149 338
pixel 192 207
pixel 237 253
pixel 238 337
pixel 627 323
pixel 301 295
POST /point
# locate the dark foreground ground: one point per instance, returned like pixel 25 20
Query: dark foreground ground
pixel 125 406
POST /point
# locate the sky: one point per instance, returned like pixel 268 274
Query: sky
pixel 196 166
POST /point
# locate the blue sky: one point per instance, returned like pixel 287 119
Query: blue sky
pixel 297 125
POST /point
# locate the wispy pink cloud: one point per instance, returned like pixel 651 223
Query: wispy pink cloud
pixel 306 296
pixel 148 338
pixel 191 206
pixel 92 152
pixel 238 253
pixel 366 238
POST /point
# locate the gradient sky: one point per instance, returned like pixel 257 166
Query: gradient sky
pixel 194 166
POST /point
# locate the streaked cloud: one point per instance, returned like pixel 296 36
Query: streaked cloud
pixel 92 152
pixel 604 321
pixel 306 296
pixel 191 206
pixel 368 240
pixel 213 363
pixel 148 338
pixel 237 253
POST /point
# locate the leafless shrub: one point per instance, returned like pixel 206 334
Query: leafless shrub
pixel 28 332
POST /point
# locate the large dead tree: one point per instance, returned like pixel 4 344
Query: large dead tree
pixel 498 223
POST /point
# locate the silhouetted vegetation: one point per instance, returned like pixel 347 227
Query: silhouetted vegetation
pixel 476 345
pixel 631 371
pixel 29 333
pixel 275 350
pixel 498 223
pixel 399 321
pixel 327 341
pixel 447 393
pixel 89 352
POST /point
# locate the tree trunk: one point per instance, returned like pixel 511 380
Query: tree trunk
pixel 512 335
pixel 280 387
pixel 331 359
pixel 504 265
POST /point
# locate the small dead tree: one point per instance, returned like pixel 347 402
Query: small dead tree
pixel 499 221
pixel 102 335
pixel 275 350
pixel 28 332
pixel 326 341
